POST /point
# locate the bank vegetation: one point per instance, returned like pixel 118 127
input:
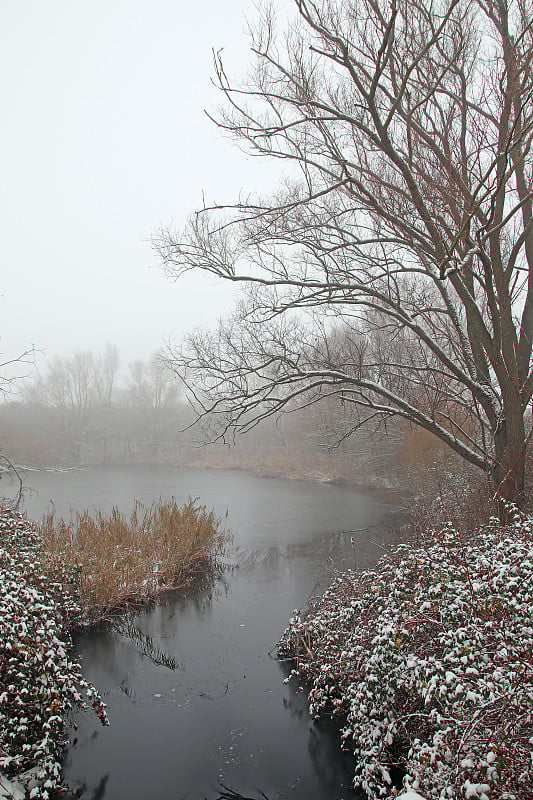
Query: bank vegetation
pixel 40 684
pixel 116 561
pixel 427 662
pixel 62 574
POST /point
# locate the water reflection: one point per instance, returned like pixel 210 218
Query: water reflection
pixel 195 698
pixel 145 644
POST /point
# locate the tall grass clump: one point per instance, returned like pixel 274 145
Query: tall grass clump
pixel 117 560
pixel 428 661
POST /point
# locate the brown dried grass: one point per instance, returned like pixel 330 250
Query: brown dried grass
pixel 117 561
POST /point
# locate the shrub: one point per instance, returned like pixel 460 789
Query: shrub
pixel 428 659
pixel 119 560
pixel 39 684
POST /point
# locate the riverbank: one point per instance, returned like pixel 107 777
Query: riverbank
pixel 39 683
pixel 65 574
pixel 287 463
pixel 427 659
pixel 225 692
pixel 403 483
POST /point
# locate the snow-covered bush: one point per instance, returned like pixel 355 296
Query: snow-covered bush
pixel 39 684
pixel 429 662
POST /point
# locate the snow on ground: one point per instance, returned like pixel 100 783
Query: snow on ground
pixel 428 660
pixel 10 790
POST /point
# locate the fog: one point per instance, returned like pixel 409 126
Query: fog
pixel 104 137
pixel 91 409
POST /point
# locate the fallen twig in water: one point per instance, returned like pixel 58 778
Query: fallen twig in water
pixel 145 644
pixel 229 794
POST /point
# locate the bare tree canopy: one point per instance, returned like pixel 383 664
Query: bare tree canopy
pixel 393 268
pixel 15 369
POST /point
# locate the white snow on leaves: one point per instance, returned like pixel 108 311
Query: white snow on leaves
pixel 39 684
pixel 428 659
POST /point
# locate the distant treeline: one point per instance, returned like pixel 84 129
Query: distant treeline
pixel 88 409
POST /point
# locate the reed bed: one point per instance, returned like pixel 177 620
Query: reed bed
pixel 117 561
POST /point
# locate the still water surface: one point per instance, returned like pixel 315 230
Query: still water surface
pixel 218 712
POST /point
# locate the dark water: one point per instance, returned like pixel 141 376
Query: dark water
pixel 214 709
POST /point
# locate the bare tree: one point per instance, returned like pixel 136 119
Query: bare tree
pixel 108 373
pixel 153 391
pixel 409 221
pixel 13 370
pixel 79 390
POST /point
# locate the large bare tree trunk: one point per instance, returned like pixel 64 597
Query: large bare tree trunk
pixel 409 219
pixel 508 471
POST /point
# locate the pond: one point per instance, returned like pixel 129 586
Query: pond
pixel 195 695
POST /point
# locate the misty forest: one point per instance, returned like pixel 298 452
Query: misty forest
pixel 294 548
pixel 91 409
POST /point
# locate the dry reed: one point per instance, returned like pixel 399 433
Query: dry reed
pixel 117 560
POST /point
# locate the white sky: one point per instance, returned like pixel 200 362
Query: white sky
pixel 103 137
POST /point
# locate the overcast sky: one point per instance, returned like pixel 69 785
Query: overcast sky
pixel 103 138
